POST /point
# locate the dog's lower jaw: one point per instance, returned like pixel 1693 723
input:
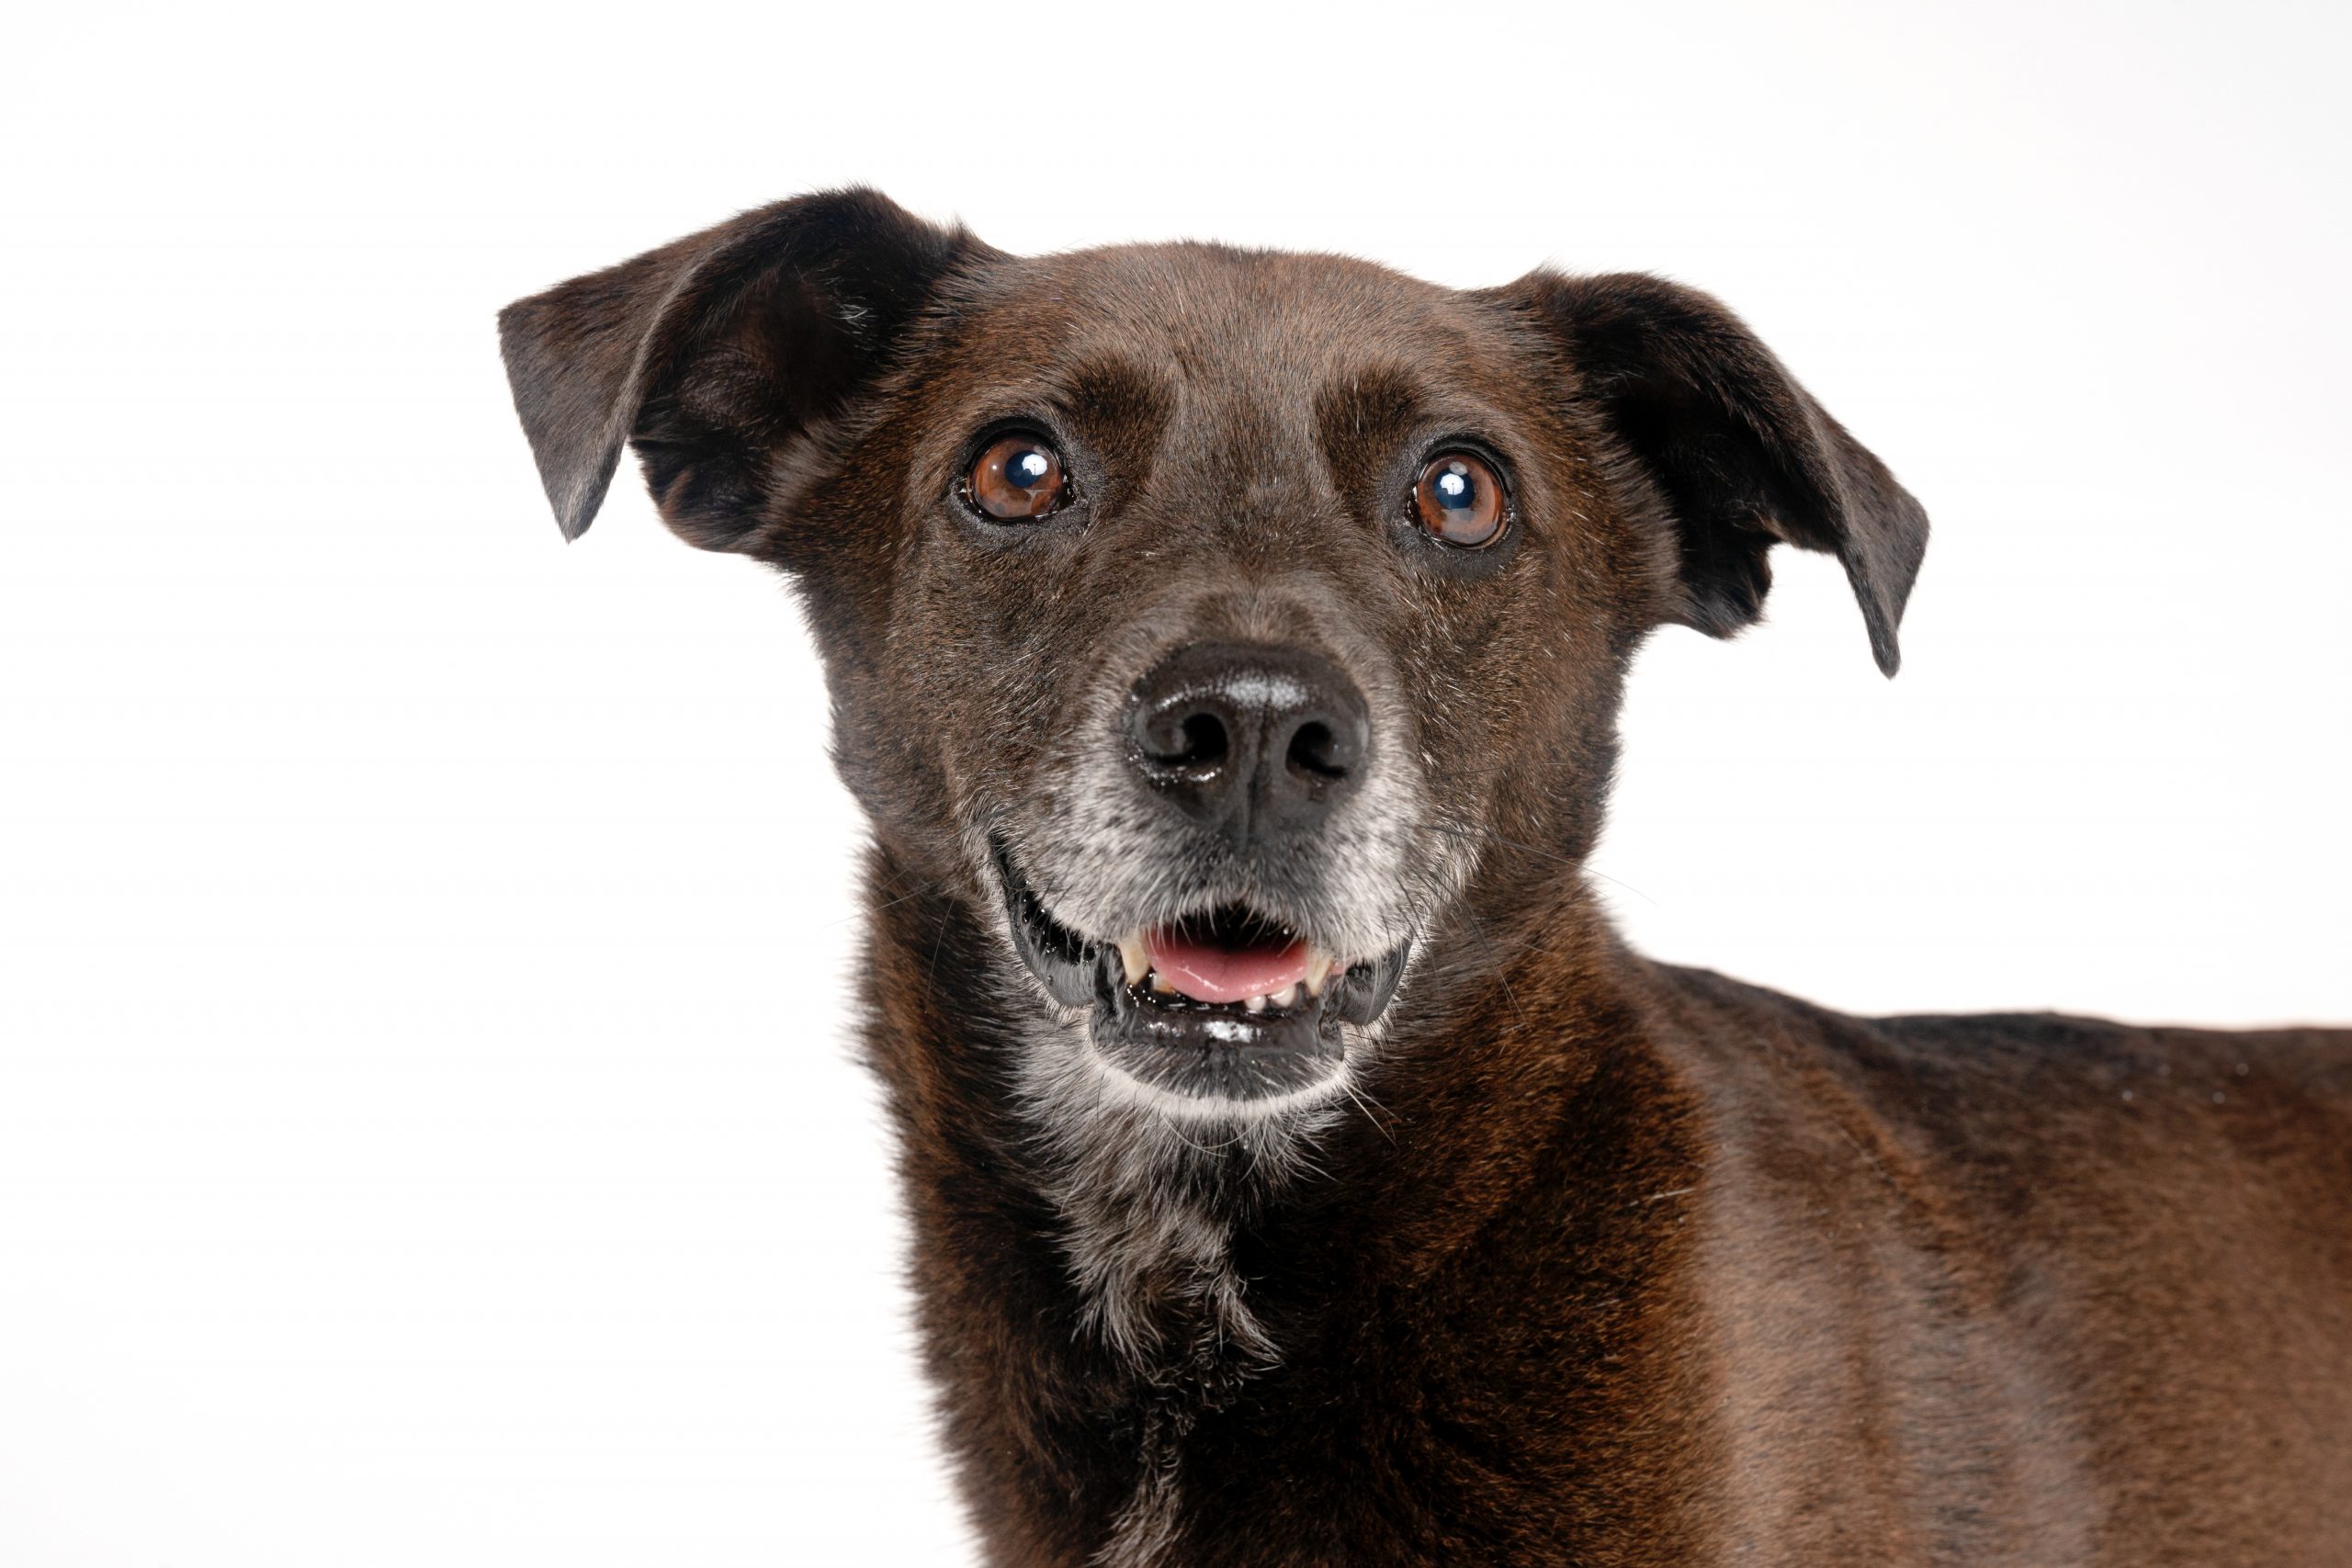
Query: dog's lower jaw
pixel 1210 1064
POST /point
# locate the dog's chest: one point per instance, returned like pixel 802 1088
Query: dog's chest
pixel 1154 1266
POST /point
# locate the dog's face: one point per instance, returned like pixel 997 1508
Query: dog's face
pixel 1213 619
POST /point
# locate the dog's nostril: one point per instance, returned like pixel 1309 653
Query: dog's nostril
pixel 1316 753
pixel 1186 740
pixel 1205 742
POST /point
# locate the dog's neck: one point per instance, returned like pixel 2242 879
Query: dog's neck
pixel 1093 1277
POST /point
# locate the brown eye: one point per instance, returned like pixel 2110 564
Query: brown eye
pixel 1017 479
pixel 1460 500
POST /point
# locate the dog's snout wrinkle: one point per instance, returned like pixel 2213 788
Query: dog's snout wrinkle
pixel 1254 740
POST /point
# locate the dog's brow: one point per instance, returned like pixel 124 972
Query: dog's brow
pixel 1103 390
pixel 1118 405
pixel 1362 417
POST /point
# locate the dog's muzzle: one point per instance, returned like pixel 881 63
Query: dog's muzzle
pixel 1227 1006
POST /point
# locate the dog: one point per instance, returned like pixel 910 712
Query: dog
pixel 1226 647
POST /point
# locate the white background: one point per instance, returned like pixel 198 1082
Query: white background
pixel 427 1133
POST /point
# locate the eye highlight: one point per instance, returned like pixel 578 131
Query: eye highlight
pixel 1017 479
pixel 1459 500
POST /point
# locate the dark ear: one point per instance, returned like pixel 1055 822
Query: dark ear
pixel 1727 443
pixel 713 354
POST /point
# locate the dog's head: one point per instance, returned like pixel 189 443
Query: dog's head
pixel 1211 618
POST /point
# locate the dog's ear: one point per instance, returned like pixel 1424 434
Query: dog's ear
pixel 715 354
pixel 1725 443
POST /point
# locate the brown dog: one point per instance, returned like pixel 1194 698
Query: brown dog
pixel 1226 648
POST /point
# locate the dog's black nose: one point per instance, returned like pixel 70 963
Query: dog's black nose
pixel 1257 741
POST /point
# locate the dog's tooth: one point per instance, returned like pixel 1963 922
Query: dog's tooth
pixel 1160 984
pixel 1256 1004
pixel 1284 996
pixel 1132 958
pixel 1319 967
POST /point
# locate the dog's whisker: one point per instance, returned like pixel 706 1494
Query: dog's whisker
pixel 1366 1103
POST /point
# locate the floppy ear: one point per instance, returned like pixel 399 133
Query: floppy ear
pixel 1734 452
pixel 714 354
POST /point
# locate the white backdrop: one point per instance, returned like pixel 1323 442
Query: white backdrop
pixel 427 1133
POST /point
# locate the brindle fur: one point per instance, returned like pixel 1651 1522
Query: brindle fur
pixel 1602 1262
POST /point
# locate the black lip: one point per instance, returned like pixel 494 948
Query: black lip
pixel 1200 1050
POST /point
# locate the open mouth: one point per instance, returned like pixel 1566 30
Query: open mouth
pixel 1229 1004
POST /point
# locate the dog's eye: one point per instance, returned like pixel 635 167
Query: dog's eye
pixel 1018 478
pixel 1460 500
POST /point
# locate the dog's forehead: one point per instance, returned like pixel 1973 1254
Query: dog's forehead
pixel 1211 314
pixel 1219 348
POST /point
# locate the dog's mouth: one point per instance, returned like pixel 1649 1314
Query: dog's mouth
pixel 1229 1004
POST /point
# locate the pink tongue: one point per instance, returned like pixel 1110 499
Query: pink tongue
pixel 1210 974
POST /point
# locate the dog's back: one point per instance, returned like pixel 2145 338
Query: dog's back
pixel 2073 1290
